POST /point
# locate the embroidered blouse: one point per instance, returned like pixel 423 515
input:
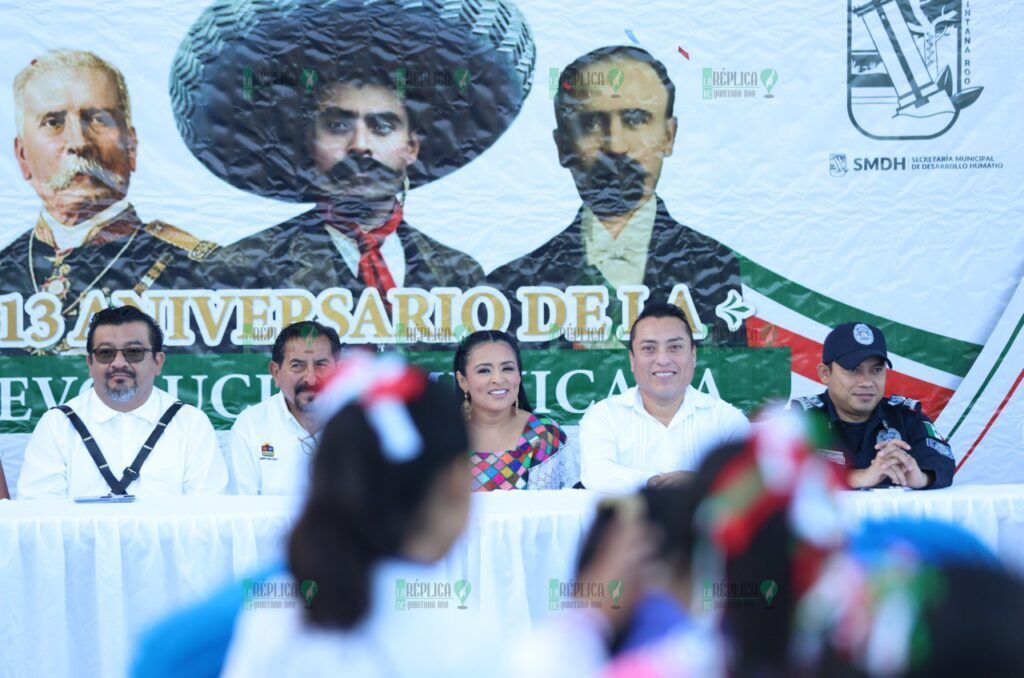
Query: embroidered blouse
pixel 538 446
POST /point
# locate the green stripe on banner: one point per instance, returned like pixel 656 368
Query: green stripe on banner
pixel 942 353
pixel 995 366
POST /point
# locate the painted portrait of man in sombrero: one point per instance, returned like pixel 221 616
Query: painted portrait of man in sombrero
pixel 350 105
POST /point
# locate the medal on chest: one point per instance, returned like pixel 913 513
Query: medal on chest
pixel 58 283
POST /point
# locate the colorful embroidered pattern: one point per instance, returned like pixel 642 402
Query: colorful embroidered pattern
pixel 541 439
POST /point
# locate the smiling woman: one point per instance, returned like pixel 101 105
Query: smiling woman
pixel 514 448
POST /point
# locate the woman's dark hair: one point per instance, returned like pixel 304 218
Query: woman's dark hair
pixel 486 337
pixel 361 506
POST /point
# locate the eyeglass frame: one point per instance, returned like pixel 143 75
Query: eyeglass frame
pixel 123 351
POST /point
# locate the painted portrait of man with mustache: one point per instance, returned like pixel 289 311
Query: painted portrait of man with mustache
pixel 615 125
pixel 77 149
pixel 382 99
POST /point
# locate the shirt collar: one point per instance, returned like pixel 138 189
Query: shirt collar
pixel 693 400
pixel 833 414
pixel 148 411
pixel 391 249
pixel 282 406
pixel 67 237
pixel 634 239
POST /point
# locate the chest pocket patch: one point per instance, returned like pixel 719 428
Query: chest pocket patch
pixel 887 434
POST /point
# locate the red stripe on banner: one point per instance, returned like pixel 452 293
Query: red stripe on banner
pixel 806 354
pixel 995 415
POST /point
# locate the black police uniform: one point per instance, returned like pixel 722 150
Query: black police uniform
pixel 895 417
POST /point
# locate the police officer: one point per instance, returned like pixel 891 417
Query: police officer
pixel 882 441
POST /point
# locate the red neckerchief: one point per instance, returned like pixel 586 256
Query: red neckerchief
pixel 373 271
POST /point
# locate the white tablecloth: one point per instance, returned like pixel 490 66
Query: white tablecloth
pixel 78 583
pixel 993 513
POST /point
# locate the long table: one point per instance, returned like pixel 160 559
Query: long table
pixel 80 582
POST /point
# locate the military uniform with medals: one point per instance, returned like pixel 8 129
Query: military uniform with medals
pixel 122 254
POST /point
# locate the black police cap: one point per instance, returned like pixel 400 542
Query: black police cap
pixel 850 344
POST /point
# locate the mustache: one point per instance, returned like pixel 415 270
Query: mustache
pixel 346 170
pixel 73 165
pixel 110 374
pixel 613 184
pixel 615 168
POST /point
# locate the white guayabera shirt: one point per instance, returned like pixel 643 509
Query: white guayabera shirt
pixel 270 451
pixel 622 445
pixel 186 459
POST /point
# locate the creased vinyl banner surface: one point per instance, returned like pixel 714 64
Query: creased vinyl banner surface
pixel 541 167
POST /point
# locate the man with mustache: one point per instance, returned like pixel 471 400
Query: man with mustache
pixel 77 148
pixel 122 422
pixel 361 140
pixel 272 443
pixel 381 99
pixel 614 128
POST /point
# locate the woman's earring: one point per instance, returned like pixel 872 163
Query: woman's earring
pixel 467 407
pixel 515 407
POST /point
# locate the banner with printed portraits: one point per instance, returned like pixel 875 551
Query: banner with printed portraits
pixel 410 172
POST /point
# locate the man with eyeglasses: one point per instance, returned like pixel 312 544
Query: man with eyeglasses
pixel 657 432
pixel 272 442
pixel 123 422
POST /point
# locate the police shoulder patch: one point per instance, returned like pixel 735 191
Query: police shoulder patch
pixel 909 403
pixel 940 447
pixel 810 402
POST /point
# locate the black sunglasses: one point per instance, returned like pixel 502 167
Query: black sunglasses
pixel 133 354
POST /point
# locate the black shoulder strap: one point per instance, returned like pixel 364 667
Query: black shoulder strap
pixel 93 448
pixel 131 473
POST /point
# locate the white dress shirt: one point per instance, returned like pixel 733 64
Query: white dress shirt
pixel 622 445
pixel 270 451
pixel 391 251
pixel 186 459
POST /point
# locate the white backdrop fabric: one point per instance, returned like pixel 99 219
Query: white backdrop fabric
pixel 985 417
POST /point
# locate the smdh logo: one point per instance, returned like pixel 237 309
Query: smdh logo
pixel 837 166
pixel 908 66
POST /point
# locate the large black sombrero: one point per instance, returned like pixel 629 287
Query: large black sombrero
pixel 247 75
